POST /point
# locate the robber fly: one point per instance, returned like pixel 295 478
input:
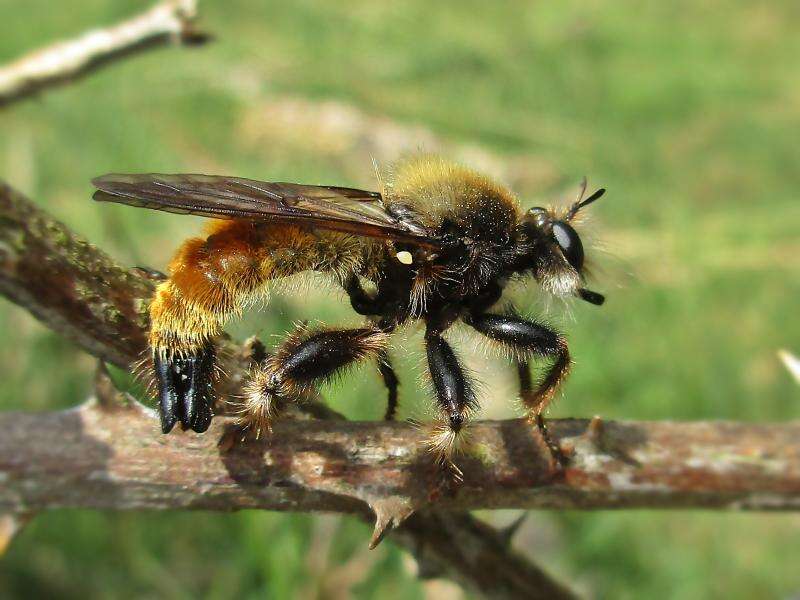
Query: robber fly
pixel 438 244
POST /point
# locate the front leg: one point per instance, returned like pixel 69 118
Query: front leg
pixel 454 394
pixel 526 339
pixel 533 403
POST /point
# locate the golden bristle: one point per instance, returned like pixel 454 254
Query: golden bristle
pixel 445 443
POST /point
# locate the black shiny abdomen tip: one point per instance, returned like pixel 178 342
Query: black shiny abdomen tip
pixel 185 392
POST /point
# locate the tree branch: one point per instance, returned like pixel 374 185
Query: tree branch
pixel 166 22
pixel 69 285
pixel 791 362
pixel 113 457
pixel 78 291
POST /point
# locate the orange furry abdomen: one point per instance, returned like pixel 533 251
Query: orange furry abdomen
pixel 212 278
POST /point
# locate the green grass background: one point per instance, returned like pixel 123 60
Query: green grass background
pixel 689 113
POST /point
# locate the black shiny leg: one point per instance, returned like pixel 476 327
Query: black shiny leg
pixel 304 359
pixel 528 338
pixel 185 390
pixel 366 304
pixel 391 382
pixel 528 397
pixel 361 301
pixel 322 354
pixel 453 389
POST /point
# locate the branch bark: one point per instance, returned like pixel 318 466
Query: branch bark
pixel 69 285
pixel 79 292
pixel 113 457
pixel 166 22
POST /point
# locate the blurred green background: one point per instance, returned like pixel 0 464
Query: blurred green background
pixel 689 113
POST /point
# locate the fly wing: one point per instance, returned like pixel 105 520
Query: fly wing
pixel 342 209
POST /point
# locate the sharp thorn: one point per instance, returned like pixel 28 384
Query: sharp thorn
pixel 595 432
pixel 389 513
pixel 508 532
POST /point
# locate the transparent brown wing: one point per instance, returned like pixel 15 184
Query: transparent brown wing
pixel 324 207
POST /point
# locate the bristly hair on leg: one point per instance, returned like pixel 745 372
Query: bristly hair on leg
pixel 265 393
pixel 263 398
pixel 288 376
pixel 555 450
pixel 264 390
pixel 445 443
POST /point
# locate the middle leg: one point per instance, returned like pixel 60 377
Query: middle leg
pixel 454 394
pixel 370 305
pixel 391 382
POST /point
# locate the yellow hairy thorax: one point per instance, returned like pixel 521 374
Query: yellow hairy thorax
pixel 439 189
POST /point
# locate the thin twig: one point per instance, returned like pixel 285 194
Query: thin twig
pixel 69 285
pixel 791 362
pixel 166 22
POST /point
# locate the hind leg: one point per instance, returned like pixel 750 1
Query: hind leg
pixel 304 359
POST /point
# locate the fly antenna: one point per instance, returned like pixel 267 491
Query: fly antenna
pixel 581 202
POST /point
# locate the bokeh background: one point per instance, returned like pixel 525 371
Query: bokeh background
pixel 689 113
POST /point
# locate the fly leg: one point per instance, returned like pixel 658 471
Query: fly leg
pixel 391 382
pixel 304 359
pixel 454 395
pixel 368 305
pixel 534 404
pixel 527 339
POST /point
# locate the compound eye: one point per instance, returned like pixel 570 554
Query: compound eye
pixel 569 242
